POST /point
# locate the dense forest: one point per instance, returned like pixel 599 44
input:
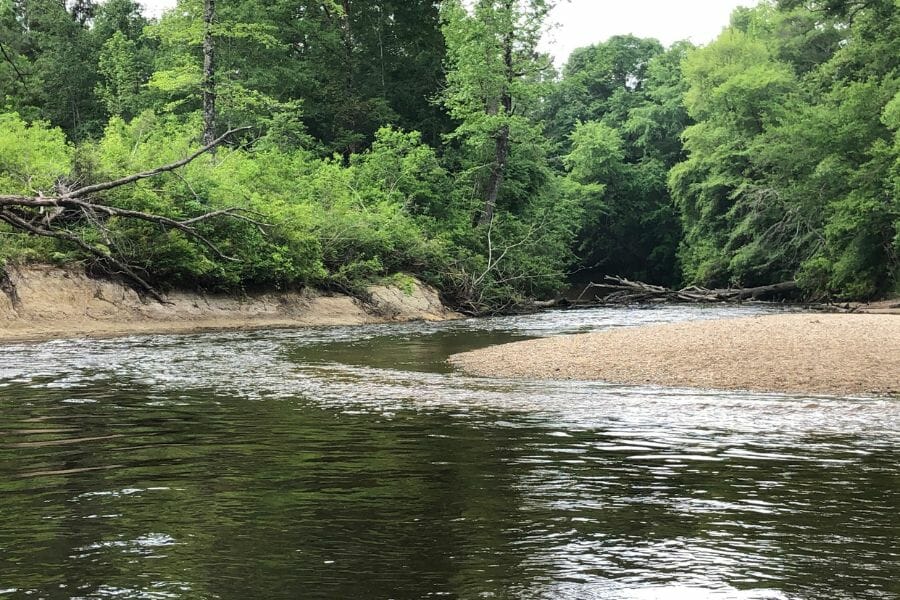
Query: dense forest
pixel 434 138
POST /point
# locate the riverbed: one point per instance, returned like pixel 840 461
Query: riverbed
pixel 356 463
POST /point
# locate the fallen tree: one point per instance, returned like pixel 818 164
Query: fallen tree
pixel 618 290
pixel 68 214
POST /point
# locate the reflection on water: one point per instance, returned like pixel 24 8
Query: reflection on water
pixel 351 463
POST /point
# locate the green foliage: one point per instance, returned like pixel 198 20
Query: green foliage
pixel 597 153
pixel 121 75
pixel 787 168
pixel 617 115
pixel 332 225
pixel 493 66
pixel 383 131
pixel 524 220
pixel 402 281
pixel 54 55
pixel 601 82
pixel 338 70
pixel 32 157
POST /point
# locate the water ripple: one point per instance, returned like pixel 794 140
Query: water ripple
pixel 354 462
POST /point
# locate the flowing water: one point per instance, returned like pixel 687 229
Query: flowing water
pixel 354 463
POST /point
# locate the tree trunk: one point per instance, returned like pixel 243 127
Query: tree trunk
pixel 492 190
pixel 209 73
pixel 501 146
pixel 350 91
pixel 9 288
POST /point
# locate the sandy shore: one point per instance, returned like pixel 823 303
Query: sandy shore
pixel 807 353
pixel 44 302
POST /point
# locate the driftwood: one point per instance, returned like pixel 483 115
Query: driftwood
pixel 618 290
pixel 48 216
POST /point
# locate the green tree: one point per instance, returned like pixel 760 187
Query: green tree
pixel 493 80
pixel 14 67
pixel 185 69
pixel 121 76
pixel 524 222
pixel 631 91
pixel 56 62
pixel 600 82
pixel 737 89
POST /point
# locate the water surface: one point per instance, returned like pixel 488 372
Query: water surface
pixel 354 463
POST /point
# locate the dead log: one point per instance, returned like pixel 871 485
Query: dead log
pixel 546 303
pixel 776 289
pixel 618 290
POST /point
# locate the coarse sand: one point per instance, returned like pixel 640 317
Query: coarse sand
pixel 834 354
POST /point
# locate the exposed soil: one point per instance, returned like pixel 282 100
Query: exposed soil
pixel 42 302
pixel 880 307
pixel 840 354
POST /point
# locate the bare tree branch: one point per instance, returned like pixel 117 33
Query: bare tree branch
pixel 45 216
pixel 15 68
pixel 108 185
pixel 20 223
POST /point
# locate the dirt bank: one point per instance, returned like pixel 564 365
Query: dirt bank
pixel 880 307
pixel 40 302
pixel 809 353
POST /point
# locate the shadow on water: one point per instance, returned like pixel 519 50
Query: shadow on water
pixel 351 463
pixel 411 351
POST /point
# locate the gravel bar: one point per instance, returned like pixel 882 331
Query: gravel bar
pixel 833 354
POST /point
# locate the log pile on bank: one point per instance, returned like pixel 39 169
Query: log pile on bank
pixel 618 290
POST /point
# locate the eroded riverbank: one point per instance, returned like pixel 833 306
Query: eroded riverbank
pixel 43 302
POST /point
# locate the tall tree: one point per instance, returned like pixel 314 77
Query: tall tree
pixel 124 59
pixel 121 76
pixel 523 219
pixel 55 61
pixel 494 66
pixel 15 71
pixel 209 72
pixel 193 73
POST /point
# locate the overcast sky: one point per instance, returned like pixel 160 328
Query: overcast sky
pixel 585 22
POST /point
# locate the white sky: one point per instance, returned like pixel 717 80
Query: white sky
pixel 153 8
pixel 586 22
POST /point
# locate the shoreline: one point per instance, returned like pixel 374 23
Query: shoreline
pixel 44 303
pixel 104 330
pixel 806 353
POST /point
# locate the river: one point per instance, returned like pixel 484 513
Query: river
pixel 354 463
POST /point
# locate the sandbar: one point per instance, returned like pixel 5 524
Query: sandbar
pixel 830 354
